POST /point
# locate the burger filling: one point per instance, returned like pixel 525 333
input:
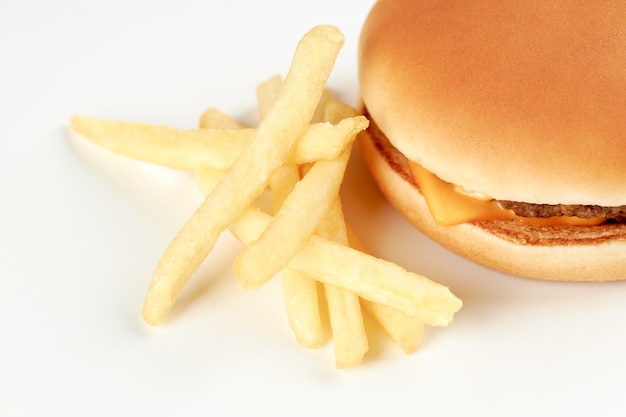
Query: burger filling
pixel 614 214
pixel 450 205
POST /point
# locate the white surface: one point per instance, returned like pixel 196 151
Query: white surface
pixel 81 231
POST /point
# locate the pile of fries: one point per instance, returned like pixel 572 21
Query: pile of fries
pixel 298 153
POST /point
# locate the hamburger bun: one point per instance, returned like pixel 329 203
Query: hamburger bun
pixel 515 100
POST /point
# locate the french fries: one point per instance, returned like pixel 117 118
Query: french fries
pixel 298 153
pixel 299 289
pixel 293 225
pixel 284 124
pixel 301 298
pixel 217 147
pixel 371 278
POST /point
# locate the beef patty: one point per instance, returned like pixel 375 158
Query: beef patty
pixel 614 214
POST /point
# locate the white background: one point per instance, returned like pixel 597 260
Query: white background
pixel 81 231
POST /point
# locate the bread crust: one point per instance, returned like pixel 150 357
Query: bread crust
pixel 518 100
pixel 558 253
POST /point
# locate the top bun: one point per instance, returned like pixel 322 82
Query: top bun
pixel 519 100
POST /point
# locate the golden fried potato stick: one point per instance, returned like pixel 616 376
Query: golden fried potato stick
pixel 162 145
pixel 335 111
pixel 344 309
pixel 213 118
pixel 406 332
pixel 302 307
pixel 320 112
pixel 371 278
pixel 217 147
pixel 267 93
pixel 299 289
pixel 282 184
pixel 346 322
pixel 274 139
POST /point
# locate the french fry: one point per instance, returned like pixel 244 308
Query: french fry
pixel 275 137
pixel 282 184
pixel 326 141
pixel 174 148
pixel 335 111
pixel 213 118
pixel 346 322
pixel 407 332
pixel 371 278
pixel 216 147
pixel 320 111
pixel 302 307
pixel 267 93
pixel 344 309
pixel 299 289
pixel 293 224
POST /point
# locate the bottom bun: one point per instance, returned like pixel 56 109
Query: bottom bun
pixel 557 253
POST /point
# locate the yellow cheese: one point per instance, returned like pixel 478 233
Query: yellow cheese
pixel 449 207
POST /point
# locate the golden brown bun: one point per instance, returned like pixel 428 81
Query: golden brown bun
pixel 561 253
pixel 519 100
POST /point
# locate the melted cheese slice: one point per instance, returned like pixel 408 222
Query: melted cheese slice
pixel 449 207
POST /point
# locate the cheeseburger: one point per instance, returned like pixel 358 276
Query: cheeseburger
pixel 498 128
